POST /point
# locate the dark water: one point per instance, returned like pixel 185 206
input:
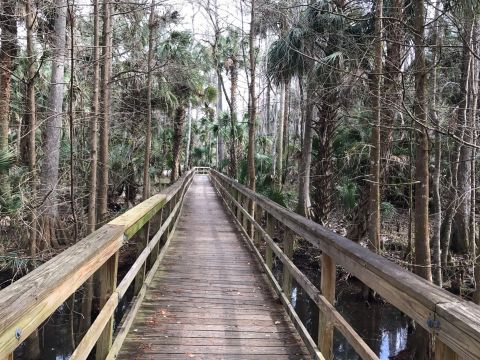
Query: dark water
pixel 57 333
pixel 381 326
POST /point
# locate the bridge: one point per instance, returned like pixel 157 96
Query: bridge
pixel 203 284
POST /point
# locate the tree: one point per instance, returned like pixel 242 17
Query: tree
pixel 148 137
pixel 422 240
pixel 375 221
pixel 92 195
pixel 8 51
pixel 49 173
pixel 28 147
pixel 106 69
pixel 252 105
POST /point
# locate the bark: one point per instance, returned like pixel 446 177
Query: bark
pixel 303 206
pixel 188 150
pixel 461 236
pixel 268 106
pixel 375 221
pixel 86 301
pixel 322 182
pixel 252 111
pixel 28 150
pixel 8 50
pixel 178 121
pixel 106 69
pixel 422 240
pixel 233 116
pixel 221 145
pixel 279 137
pixel 49 173
pixel 92 196
pixel 437 203
pixel 286 116
pixel 148 135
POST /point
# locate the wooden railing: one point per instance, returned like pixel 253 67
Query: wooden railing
pixel 27 303
pixel 453 323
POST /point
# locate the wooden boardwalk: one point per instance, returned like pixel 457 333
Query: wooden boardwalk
pixel 209 298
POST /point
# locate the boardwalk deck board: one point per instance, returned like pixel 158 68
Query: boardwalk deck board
pixel 209 298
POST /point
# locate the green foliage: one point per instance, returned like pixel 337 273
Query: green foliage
pixel 285 57
pixel 347 193
pixel 388 210
pixel 7 159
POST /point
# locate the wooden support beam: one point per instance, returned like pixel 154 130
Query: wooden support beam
pixel 327 287
pixel 239 212
pixel 258 218
pixel 142 238
pixel 271 231
pixel 443 352
pixel 106 283
pixel 288 251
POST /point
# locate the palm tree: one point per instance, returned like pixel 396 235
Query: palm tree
pixel 229 52
pixel 186 83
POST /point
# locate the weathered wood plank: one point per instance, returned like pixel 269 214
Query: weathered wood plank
pixel 209 294
pixel 106 280
pixel 25 304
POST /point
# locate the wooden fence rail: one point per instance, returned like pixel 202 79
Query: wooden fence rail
pixel 28 302
pixel 453 323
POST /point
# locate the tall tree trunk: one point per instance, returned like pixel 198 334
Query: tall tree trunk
pixel 49 174
pixel 189 137
pixel 252 111
pixel 220 154
pixel 178 121
pixel 28 149
pixel 422 240
pixel 92 196
pixel 268 106
pixel 106 70
pixel 437 201
pixel 8 50
pixel 148 135
pixel 322 182
pixel 279 137
pixel 286 115
pixel 303 206
pixel 86 301
pixel 461 235
pixel 375 221
pixel 233 116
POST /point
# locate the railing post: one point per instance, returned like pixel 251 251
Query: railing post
pixel 142 241
pixel 288 251
pixel 245 219
pixel 258 220
pixel 268 249
pixel 239 212
pixel 156 250
pixel 106 279
pixel 443 352
pixel 327 287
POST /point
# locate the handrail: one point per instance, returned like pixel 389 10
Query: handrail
pixel 454 322
pixel 28 302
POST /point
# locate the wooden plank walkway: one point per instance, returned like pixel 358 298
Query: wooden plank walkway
pixel 209 298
